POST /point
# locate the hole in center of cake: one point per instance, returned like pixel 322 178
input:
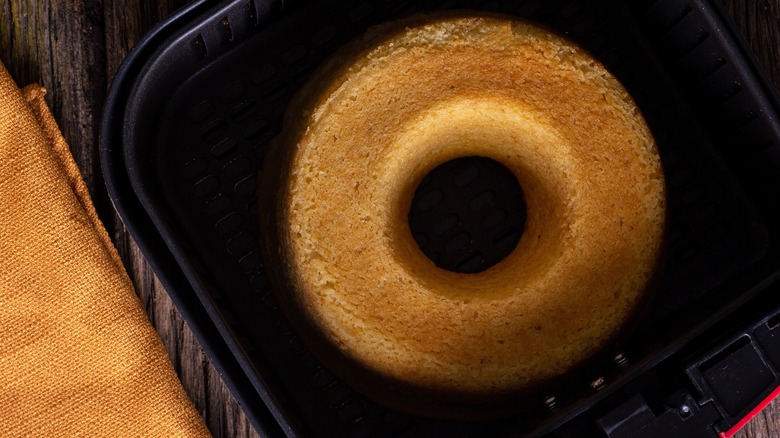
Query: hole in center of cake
pixel 468 214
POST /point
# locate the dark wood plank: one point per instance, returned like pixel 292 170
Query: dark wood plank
pixel 61 48
pixel 759 22
pixel 765 425
pixel 74 47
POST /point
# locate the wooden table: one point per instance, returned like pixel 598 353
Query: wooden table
pixel 74 47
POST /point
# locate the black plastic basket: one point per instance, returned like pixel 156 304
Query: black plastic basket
pixel 193 106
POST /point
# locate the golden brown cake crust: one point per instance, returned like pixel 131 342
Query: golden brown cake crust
pixel 387 109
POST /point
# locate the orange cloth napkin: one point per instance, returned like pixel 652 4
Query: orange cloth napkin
pixel 78 355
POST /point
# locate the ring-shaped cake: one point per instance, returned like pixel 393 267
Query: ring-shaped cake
pixel 358 138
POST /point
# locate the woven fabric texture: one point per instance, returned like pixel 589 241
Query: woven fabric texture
pixel 78 356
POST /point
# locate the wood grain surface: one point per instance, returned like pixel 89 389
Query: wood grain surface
pixel 74 47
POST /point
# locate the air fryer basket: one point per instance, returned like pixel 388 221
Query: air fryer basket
pixel 204 105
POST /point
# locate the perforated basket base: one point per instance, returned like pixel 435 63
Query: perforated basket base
pixel 211 101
